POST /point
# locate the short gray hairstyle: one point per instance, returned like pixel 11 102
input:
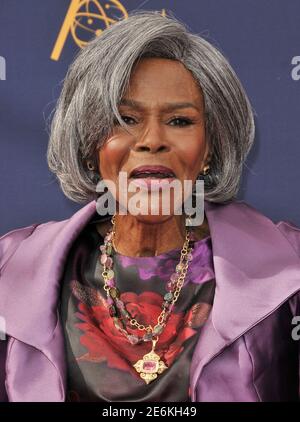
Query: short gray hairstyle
pixel 96 80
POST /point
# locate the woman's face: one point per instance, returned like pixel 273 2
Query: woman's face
pixel 164 109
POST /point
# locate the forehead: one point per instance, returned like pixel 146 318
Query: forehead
pixel 156 79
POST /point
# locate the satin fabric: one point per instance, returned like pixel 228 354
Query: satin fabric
pixel 245 351
pixel 99 358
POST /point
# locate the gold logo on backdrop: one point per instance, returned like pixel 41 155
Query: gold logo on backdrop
pixel 87 18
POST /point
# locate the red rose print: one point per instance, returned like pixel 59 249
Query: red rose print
pixel 105 343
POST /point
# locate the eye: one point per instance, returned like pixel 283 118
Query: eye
pixel 181 121
pixel 126 119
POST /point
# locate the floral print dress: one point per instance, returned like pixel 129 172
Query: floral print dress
pixel 99 358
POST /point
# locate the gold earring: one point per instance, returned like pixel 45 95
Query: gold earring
pixel 205 169
pixel 90 166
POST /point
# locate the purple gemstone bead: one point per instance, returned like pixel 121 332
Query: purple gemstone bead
pixel 171 307
pixel 174 277
pixel 109 262
pixel 111 283
pixel 147 337
pixel 133 339
pixel 189 256
pixel 110 301
pixel 120 304
pixel 170 286
pixel 103 258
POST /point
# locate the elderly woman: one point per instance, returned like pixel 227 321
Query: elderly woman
pixel 147 306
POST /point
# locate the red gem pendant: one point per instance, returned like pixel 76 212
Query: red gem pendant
pixel 150 365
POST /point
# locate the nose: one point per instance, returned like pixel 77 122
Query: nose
pixel 152 139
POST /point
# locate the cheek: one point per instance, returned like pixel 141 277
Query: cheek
pixel 112 155
pixel 191 151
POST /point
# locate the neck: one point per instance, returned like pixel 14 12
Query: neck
pixel 134 237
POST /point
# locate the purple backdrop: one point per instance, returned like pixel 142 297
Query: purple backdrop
pixel 259 37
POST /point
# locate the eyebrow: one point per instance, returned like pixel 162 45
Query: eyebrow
pixel 165 107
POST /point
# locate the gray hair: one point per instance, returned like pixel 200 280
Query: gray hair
pixel 98 77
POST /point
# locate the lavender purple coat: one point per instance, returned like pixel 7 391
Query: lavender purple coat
pixel 245 351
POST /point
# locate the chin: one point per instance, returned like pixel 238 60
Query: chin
pixel 152 219
pixel 164 207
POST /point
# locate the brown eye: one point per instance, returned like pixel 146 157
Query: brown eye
pixel 181 121
pixel 128 120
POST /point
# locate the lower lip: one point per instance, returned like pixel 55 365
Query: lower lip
pixel 152 183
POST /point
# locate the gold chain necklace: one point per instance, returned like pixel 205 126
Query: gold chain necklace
pixel 150 365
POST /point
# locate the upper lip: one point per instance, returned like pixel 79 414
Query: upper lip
pixel 152 169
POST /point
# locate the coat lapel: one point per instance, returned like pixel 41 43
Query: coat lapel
pixel 30 286
pixel 256 269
